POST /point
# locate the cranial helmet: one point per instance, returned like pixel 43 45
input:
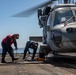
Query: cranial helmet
pixel 15 36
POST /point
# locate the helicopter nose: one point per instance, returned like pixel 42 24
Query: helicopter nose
pixel 69 30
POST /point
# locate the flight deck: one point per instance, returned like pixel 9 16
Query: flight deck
pixel 53 65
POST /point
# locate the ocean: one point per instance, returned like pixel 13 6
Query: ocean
pixel 21 50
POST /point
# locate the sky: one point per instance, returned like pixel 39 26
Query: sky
pixel 24 26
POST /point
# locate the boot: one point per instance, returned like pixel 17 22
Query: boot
pixel 14 59
pixel 32 59
pixel 23 58
pixel 3 61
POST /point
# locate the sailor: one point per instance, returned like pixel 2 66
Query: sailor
pixel 33 45
pixel 6 46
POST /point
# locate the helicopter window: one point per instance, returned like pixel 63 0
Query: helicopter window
pixel 61 16
pixel 49 20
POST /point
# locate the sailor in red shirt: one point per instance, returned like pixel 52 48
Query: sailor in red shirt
pixel 6 46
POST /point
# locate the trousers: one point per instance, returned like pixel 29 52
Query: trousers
pixel 5 49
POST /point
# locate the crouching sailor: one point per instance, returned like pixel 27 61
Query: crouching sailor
pixel 33 45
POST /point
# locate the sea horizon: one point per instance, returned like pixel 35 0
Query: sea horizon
pixel 21 50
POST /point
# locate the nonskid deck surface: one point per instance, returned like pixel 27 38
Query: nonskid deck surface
pixel 53 65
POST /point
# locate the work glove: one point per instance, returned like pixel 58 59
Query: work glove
pixel 16 48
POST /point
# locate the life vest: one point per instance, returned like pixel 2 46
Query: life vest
pixel 11 40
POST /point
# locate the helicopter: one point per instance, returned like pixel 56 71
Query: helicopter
pixel 59 25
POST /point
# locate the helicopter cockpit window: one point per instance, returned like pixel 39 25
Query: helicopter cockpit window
pixel 61 16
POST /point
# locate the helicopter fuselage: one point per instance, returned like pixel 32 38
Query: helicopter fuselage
pixel 59 28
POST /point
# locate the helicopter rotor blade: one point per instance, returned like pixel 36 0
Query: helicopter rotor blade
pixel 30 11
